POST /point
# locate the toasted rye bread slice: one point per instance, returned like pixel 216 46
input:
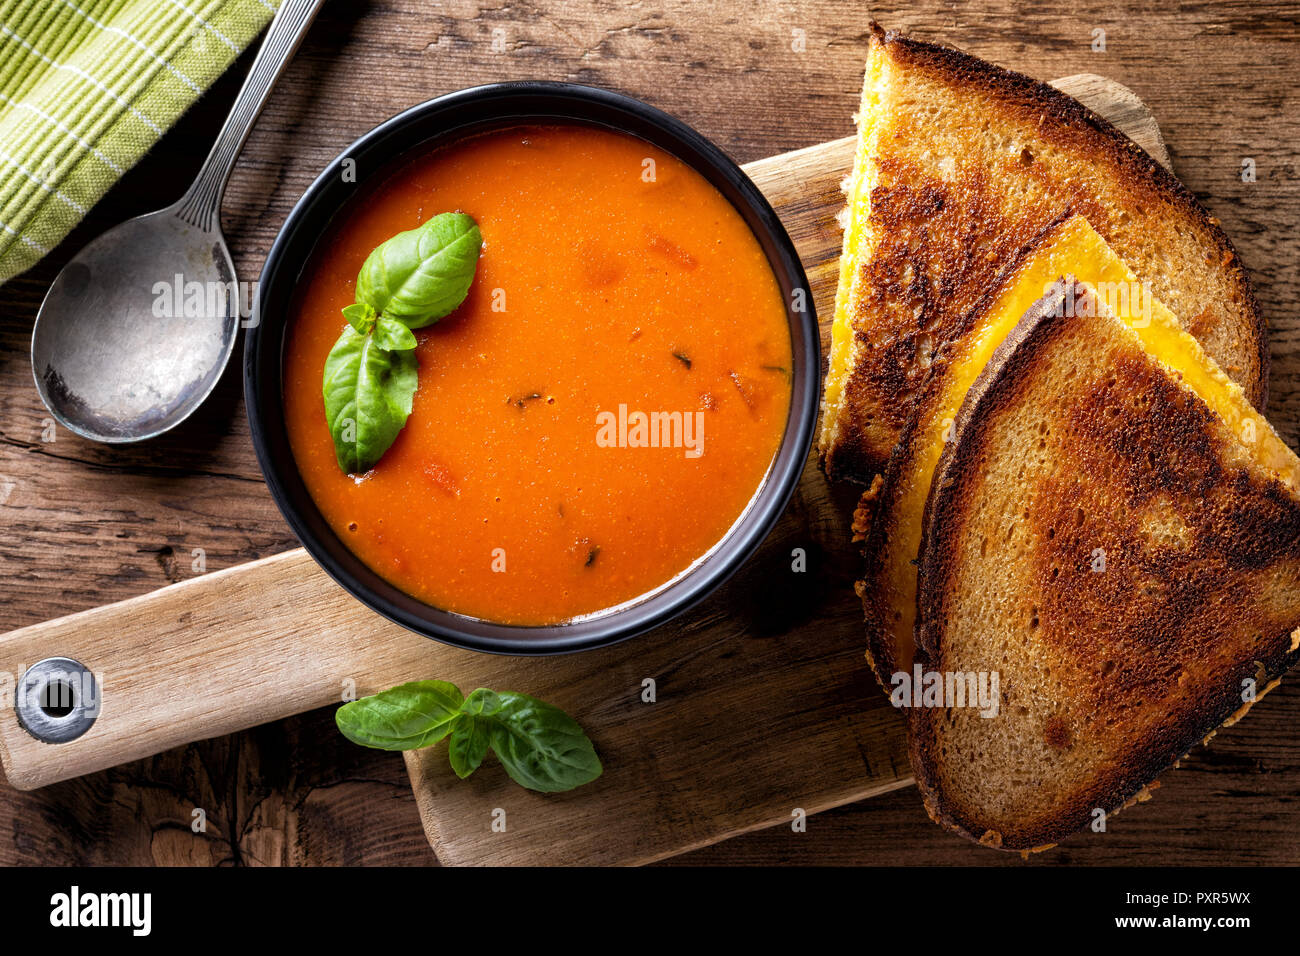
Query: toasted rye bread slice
pixel 1122 559
pixel 1069 245
pixel 960 163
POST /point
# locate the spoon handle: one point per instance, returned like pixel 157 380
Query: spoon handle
pixel 201 204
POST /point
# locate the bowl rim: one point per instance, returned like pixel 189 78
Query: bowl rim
pixel 500 105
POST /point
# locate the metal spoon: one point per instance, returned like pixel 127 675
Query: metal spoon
pixel 117 354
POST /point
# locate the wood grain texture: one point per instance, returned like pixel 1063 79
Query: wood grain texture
pixel 756 713
pixel 756 722
pixel 90 524
pixel 1122 107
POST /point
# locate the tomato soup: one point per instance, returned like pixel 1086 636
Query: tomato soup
pixel 596 414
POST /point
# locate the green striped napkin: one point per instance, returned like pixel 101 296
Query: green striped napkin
pixel 86 88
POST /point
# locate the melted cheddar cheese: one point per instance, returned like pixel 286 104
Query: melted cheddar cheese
pixel 858 191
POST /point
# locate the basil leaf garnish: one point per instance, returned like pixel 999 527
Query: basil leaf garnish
pixel 393 335
pixel 468 744
pixel 360 317
pixel 420 275
pixel 407 282
pixel 540 746
pixel 402 718
pixel 482 702
pixel 368 393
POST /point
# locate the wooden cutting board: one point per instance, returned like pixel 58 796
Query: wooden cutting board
pixel 755 709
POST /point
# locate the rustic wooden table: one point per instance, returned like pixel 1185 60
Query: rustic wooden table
pixel 85 524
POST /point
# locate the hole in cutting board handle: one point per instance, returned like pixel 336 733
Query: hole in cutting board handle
pixel 58 700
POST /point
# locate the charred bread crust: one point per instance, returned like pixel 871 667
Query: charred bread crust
pixel 1128 778
pixel 1029 97
pixel 941 813
pixel 995 386
pixel 864 514
pixel 880 391
pixel 884 523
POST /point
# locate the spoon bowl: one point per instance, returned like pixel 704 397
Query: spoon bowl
pixel 136 330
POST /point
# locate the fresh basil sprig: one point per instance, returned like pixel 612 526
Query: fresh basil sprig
pixel 540 746
pixel 420 275
pixel 407 282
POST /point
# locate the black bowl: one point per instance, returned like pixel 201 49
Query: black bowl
pixel 424 127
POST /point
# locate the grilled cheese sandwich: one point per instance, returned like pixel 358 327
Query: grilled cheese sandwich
pixel 961 163
pixel 1071 245
pixel 1115 532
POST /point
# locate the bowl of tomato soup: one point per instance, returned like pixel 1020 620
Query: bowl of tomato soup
pixel 608 424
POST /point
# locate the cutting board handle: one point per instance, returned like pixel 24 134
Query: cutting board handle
pixel 206 657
